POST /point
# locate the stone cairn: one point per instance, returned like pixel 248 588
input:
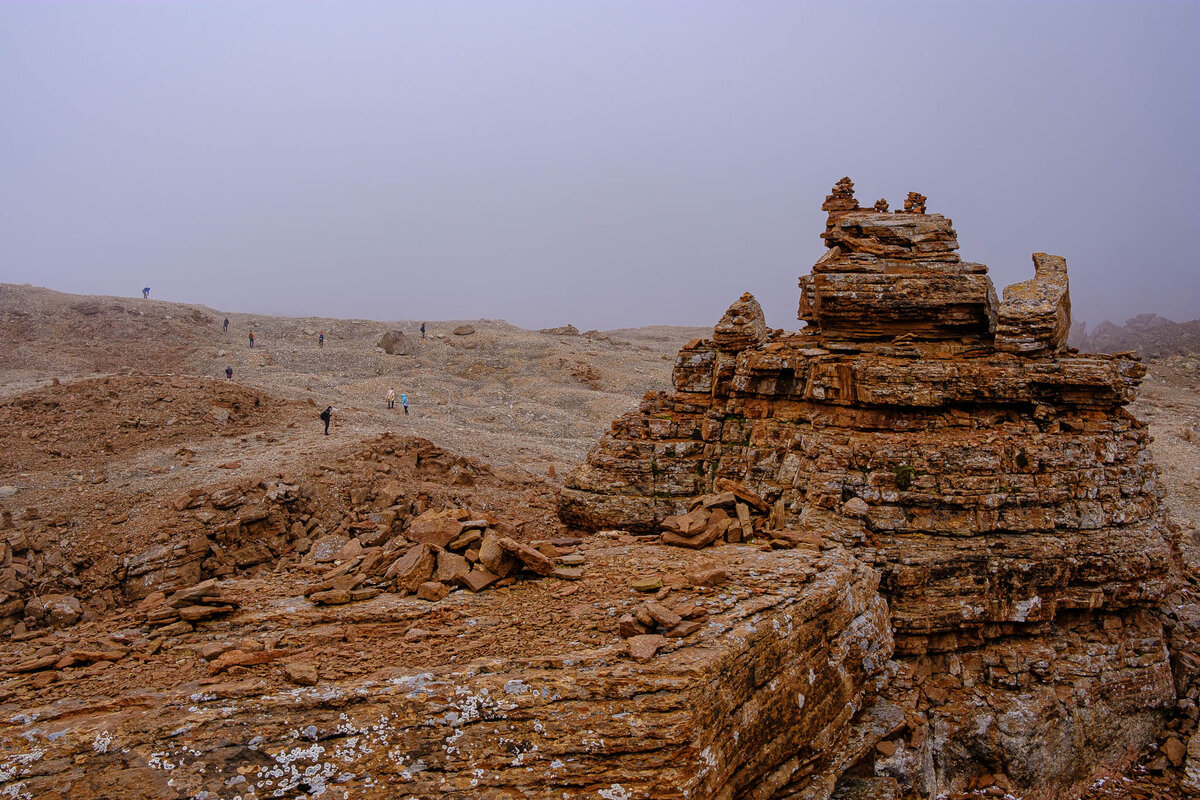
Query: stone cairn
pixel 956 444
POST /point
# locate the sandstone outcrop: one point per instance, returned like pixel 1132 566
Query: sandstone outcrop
pixel 992 476
pixel 1036 314
pixel 762 698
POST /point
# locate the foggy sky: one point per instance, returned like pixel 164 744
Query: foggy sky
pixel 601 163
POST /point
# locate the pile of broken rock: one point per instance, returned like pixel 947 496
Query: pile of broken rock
pixel 442 550
pixel 179 612
pixel 733 514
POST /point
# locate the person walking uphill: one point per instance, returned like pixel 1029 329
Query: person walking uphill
pixel 251 338
pixel 225 327
pixel 321 339
pixel 228 372
pixel 422 330
pixel 391 398
pixel 327 415
pixel 404 402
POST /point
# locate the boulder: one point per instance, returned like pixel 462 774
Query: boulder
pixel 533 560
pixel 412 569
pixel 395 343
pixel 57 610
pixel 495 558
pixel 435 527
pixel 451 568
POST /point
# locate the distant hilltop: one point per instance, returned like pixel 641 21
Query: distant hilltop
pixel 1150 335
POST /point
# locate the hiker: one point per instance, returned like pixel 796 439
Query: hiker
pixel 228 372
pixel 422 330
pixel 225 327
pixel 327 415
pixel 146 293
pixel 404 402
pixel 252 338
pixel 391 397
pixel 321 339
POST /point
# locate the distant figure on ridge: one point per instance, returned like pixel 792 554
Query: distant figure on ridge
pixel 422 330
pixel 225 327
pixel 391 397
pixel 146 293
pixel 228 372
pixel 404 401
pixel 252 338
pixel 321 339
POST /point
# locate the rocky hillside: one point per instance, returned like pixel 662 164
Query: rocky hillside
pixel 202 595
pixel 1149 335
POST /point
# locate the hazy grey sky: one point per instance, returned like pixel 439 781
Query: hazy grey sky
pixel 601 163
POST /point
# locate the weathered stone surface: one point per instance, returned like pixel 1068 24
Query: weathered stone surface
pixel 1009 500
pixel 644 647
pixel 479 579
pixel 395 343
pixel 57 610
pixel 412 569
pixel 451 568
pixel 742 326
pixel 763 696
pixel 435 527
pixel 1035 316
pixel 301 673
pixel 495 558
pixel 432 591
pixel 533 560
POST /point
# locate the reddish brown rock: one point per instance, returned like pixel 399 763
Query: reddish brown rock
pixel 451 568
pixel 301 673
pixel 495 558
pixel 533 560
pixel 435 527
pixel 644 647
pixel 412 569
pixel 663 616
pixel 742 326
pixel 479 579
pixel 432 591
pixel 993 476
pixel 688 524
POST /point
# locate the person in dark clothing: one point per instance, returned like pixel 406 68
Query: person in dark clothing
pixel 422 330
pixel 146 293
pixel 321 339
pixel 327 415
pixel 228 372
pixel 252 338
pixel 225 327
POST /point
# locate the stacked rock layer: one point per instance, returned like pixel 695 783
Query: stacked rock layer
pixel 992 476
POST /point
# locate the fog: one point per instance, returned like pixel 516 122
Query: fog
pixel 602 163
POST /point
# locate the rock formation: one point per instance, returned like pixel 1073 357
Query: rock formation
pixel 953 443
pixel 395 343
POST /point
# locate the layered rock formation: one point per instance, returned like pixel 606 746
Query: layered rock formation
pixel 791 652
pixel 992 476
